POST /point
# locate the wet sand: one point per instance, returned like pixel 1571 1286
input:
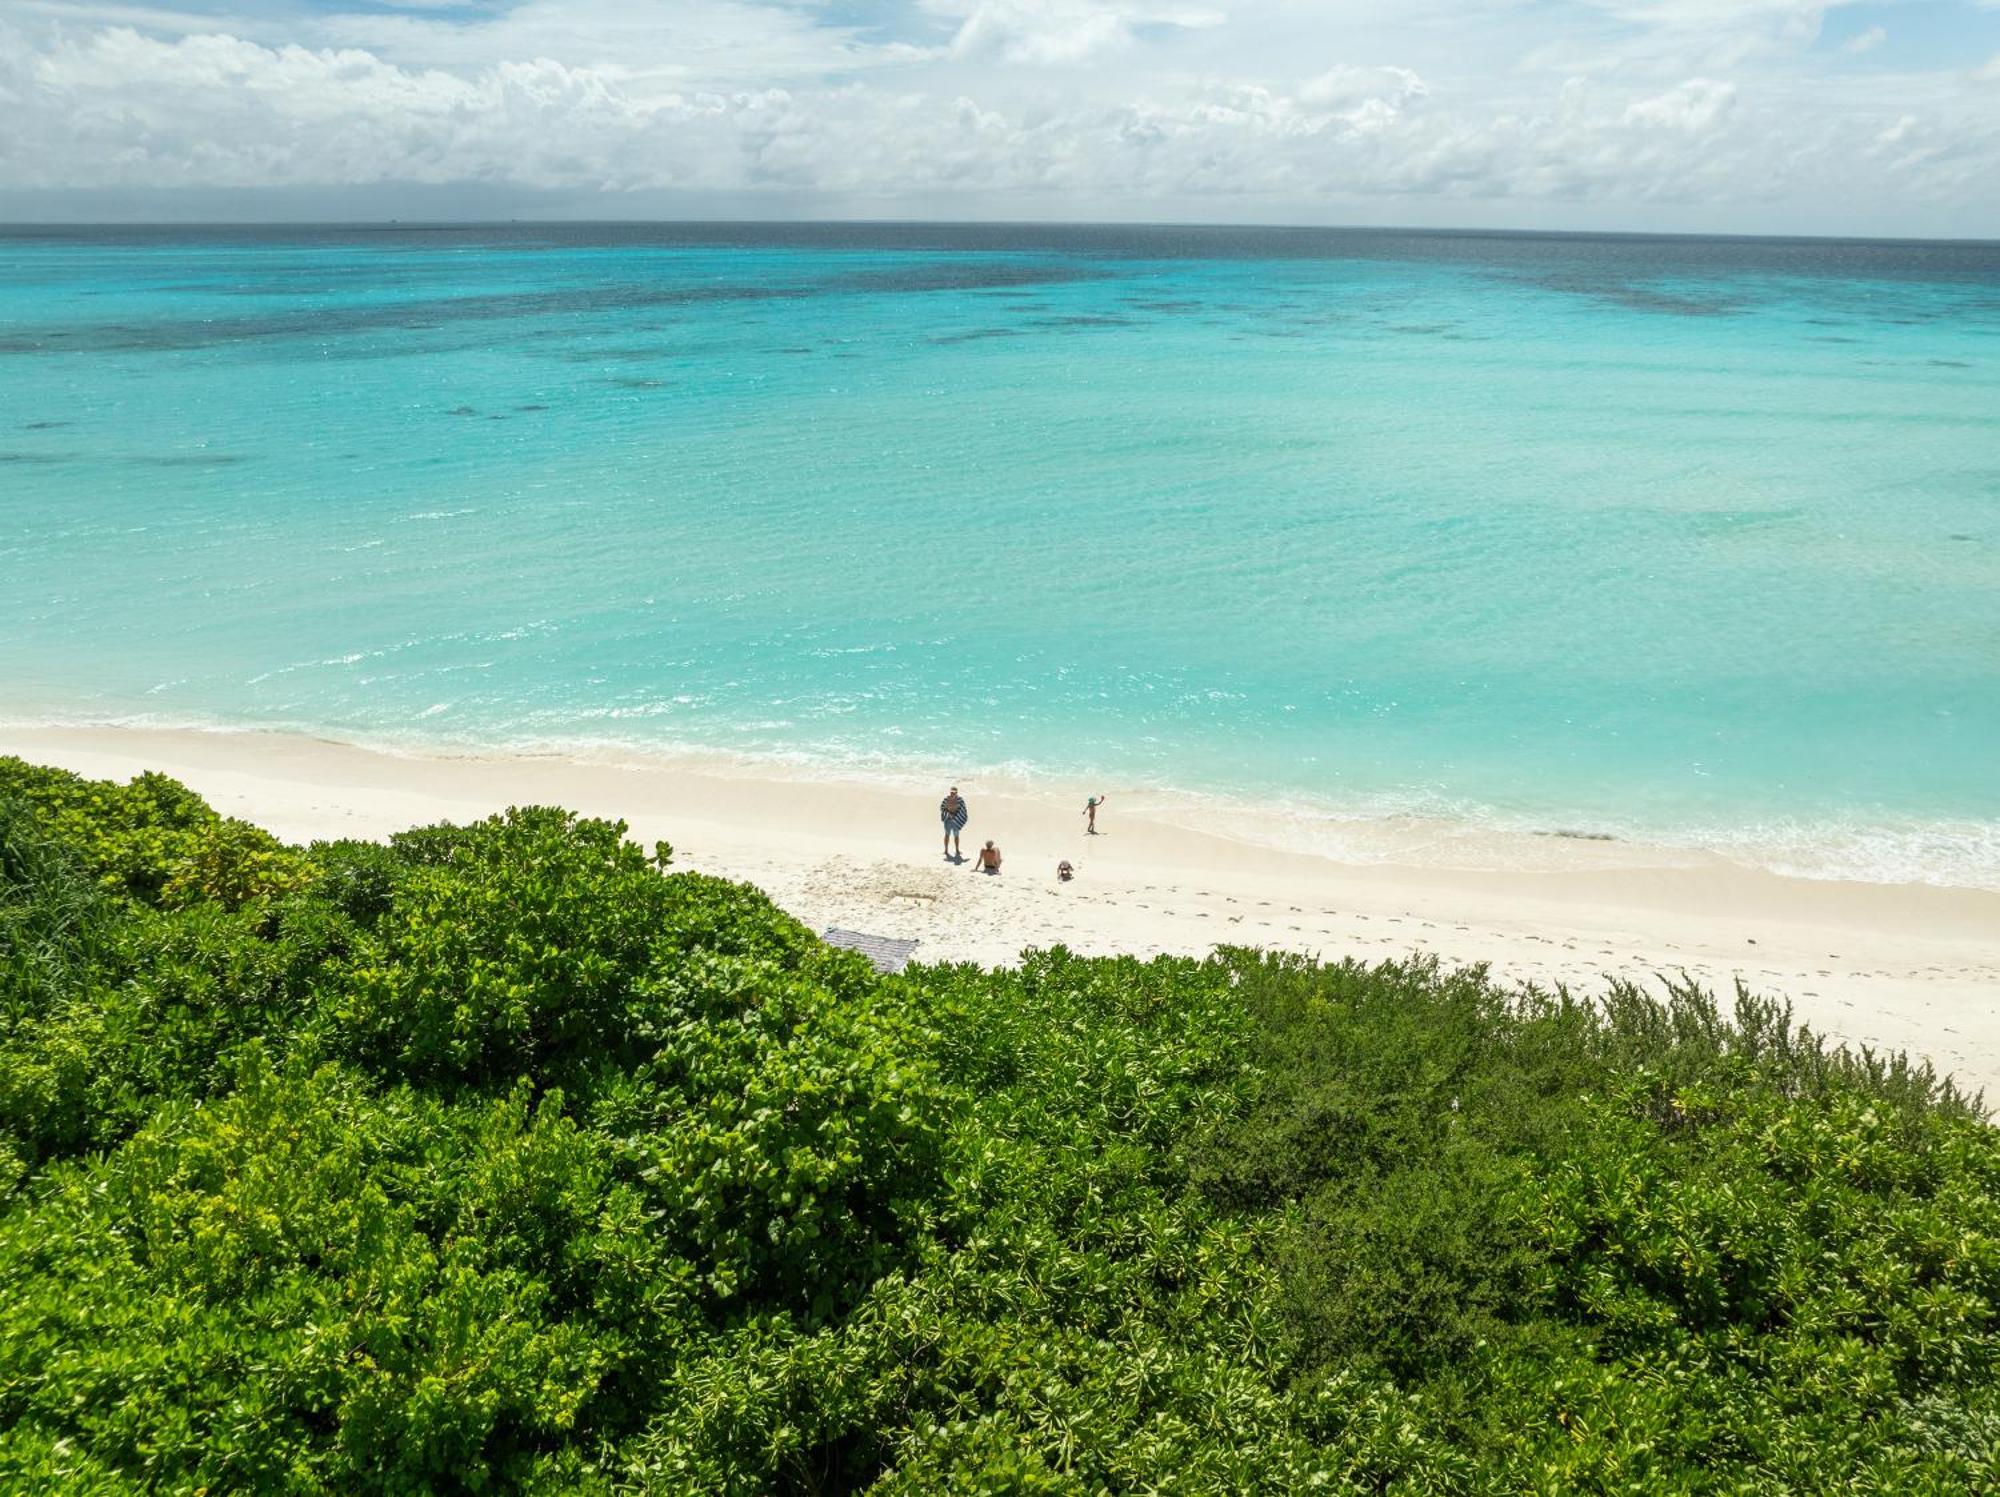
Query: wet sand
pixel 1911 967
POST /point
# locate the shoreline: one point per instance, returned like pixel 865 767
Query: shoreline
pixel 1911 967
pixel 1960 852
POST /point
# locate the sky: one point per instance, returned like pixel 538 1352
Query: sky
pixel 1880 117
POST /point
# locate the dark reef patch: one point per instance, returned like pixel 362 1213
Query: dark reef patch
pixel 974 335
pixel 324 324
pixel 619 355
pixel 1078 320
pixel 967 275
pixel 1634 295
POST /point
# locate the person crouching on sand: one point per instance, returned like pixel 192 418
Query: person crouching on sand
pixel 1090 814
pixel 952 811
pixel 989 858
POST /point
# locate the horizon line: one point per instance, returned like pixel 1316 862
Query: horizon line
pixel 1467 231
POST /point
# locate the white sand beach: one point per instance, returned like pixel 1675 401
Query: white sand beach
pixel 1911 967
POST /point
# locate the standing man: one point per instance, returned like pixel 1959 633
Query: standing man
pixel 952 812
pixel 1090 814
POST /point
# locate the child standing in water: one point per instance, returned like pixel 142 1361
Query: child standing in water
pixel 1090 814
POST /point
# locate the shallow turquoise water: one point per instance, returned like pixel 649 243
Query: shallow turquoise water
pixel 1690 541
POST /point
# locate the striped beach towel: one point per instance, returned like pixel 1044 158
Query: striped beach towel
pixel 953 815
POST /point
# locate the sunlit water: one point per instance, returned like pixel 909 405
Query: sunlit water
pixel 1684 541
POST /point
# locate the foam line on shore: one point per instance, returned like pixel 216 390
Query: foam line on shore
pixel 1911 967
pixel 1415 829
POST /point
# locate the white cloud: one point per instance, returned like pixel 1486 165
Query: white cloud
pixel 982 103
pixel 1055 33
pixel 1899 132
pixel 1696 107
pixel 696 43
pixel 219 110
pixel 1043 34
pixel 1866 41
pixel 1348 87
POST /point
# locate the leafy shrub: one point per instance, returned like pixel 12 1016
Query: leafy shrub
pixel 500 1158
pixel 240 1298
pixel 56 924
pixel 152 839
pixel 1625 1246
pixel 503 946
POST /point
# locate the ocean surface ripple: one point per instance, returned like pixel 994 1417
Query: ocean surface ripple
pixel 1692 542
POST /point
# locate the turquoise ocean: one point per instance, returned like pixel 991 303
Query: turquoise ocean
pixel 1694 542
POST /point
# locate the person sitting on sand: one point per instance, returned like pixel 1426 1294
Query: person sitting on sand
pixel 1064 873
pixel 1090 814
pixel 952 811
pixel 989 858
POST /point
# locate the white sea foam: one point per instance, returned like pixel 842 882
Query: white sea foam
pixel 1575 583
pixel 1408 828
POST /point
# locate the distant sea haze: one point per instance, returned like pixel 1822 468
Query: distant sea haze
pixel 1694 542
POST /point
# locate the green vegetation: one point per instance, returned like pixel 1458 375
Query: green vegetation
pixel 500 1159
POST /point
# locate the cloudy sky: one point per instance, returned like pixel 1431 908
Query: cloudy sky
pixel 1880 117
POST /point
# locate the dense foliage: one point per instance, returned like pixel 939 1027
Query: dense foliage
pixel 499 1158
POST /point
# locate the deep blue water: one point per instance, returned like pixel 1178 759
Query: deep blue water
pixel 1684 540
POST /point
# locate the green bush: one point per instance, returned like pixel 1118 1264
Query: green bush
pixel 499 1158
pixel 243 1297
pixel 152 839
